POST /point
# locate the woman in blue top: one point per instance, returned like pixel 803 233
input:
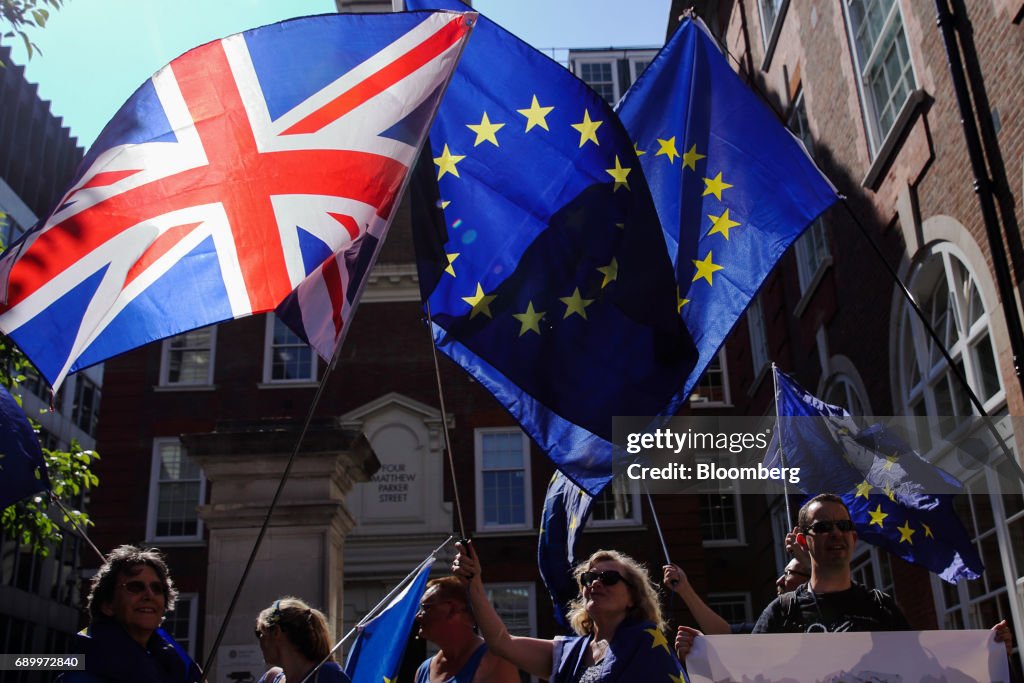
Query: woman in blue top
pixel 616 617
pixel 294 639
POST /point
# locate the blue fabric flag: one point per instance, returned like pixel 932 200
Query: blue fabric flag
pixel 732 186
pixel 898 500
pixel 377 652
pixel 22 470
pixel 566 510
pixel 638 652
pixel 553 287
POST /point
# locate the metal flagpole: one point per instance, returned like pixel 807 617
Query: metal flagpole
pixel 782 453
pixel 657 524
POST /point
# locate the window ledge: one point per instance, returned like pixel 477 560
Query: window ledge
pixel 176 542
pixel 606 526
pixel 808 294
pixel 758 378
pixel 171 388
pixel 288 385
pixel 725 544
pixel 891 144
pixel 498 533
pixel 773 40
pixel 704 405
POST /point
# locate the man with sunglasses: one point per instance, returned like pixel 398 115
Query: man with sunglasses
pixel 830 601
pixel 445 620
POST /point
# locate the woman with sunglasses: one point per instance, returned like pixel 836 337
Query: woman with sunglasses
pixel 124 643
pixel 294 639
pixel 616 617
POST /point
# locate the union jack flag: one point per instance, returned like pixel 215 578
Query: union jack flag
pixel 235 172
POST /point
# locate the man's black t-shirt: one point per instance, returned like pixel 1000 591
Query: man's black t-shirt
pixel 854 609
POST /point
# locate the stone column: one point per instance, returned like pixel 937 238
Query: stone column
pixel 302 552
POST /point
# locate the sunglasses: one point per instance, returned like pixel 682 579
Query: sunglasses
pixel 608 577
pixel 825 526
pixel 136 587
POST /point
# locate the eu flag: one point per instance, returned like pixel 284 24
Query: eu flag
pixel 732 186
pixel 22 469
pixel 566 509
pixel 377 652
pixel 554 288
pixel 899 501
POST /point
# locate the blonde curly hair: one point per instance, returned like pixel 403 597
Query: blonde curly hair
pixel 645 600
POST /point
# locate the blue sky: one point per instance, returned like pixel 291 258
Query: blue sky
pixel 96 53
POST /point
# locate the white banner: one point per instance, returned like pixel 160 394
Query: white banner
pixel 883 657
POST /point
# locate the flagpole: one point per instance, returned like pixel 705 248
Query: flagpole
pixel 444 423
pixel 378 608
pixel 657 524
pixel 79 529
pixel 782 455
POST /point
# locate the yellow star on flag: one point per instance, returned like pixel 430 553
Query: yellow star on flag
pixel 715 186
pixel 906 532
pixel 639 152
pixel 530 319
pixel 722 224
pixel 890 460
pixel 610 272
pixel 680 301
pixel 691 158
pixel 536 115
pixel 877 516
pixel 445 203
pixel 485 130
pixel 667 148
pixel 657 639
pixel 572 524
pixel 575 304
pixel 619 174
pixel 620 226
pixel 889 492
pixel 480 302
pixel 705 269
pixel 450 269
pixel 678 678
pixel 446 163
pixel 927 531
pixel 587 128
pixel 863 489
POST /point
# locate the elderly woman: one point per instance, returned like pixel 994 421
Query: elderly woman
pixel 294 639
pixel 616 617
pixel 130 594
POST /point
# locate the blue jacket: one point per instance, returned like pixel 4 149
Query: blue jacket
pixel 111 656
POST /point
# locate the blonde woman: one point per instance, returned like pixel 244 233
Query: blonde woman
pixel 294 638
pixel 617 619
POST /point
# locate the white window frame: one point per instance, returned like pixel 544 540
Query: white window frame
pixel 770 34
pixel 578 63
pixel 636 60
pixel 733 596
pixel 165 361
pixel 853 401
pixel 759 355
pixel 892 24
pixel 154 497
pixel 193 620
pixel 866 554
pixel 478 447
pixel 531 600
pixel 625 488
pixel 718 488
pixel 696 402
pixel 268 360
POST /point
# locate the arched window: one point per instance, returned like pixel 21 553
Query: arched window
pixel 948 294
pixel 843 392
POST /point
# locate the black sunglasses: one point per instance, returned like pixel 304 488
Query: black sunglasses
pixel 825 526
pixel 608 577
pixel 136 587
